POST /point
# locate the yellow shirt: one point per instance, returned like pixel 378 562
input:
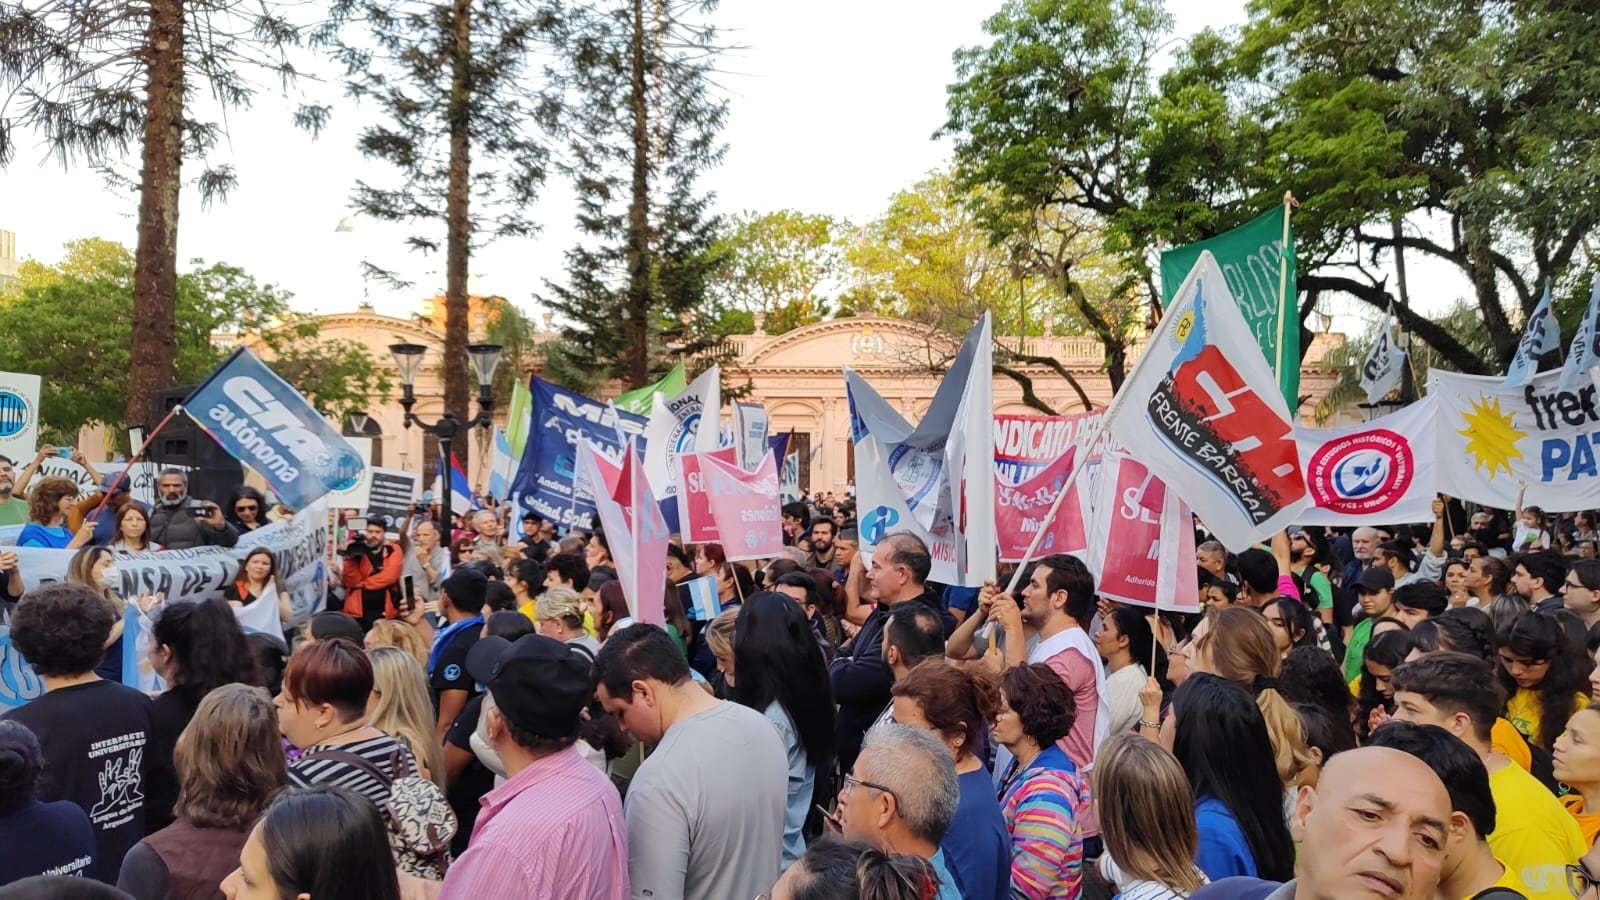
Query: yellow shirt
pixel 1505 739
pixel 1533 835
pixel 1509 880
pixel 1525 713
pixel 1588 823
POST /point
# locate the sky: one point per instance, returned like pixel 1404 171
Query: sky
pixel 833 107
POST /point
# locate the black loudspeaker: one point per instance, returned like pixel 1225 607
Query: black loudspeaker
pixel 213 474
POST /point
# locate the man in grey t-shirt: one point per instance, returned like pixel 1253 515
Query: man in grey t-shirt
pixel 705 811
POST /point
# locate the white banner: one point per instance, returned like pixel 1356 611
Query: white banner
pixel 61 467
pixel 1494 436
pixel 19 416
pixel 300 546
pixel 1378 472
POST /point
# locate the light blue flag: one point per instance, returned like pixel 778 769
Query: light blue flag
pixel 1542 335
pixel 1584 351
pixel 705 605
pixel 265 424
pixel 500 466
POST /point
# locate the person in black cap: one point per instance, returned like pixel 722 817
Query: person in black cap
pixel 555 828
pixel 461 598
pixel 1372 587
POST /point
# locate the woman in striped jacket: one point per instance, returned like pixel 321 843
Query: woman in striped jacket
pixel 1042 795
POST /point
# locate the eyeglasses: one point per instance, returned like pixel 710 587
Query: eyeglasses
pixel 251 507
pixel 1579 881
pixel 850 781
pixel 1573 584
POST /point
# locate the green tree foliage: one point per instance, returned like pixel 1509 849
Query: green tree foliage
pixel 640 122
pixel 462 111
pixel 1479 117
pixel 98 79
pixel 1460 132
pixel 70 324
pixel 1046 121
pixel 782 265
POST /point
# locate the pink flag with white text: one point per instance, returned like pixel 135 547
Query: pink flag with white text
pixel 745 506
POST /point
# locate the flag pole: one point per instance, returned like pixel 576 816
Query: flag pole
pixel 1283 288
pixel 138 454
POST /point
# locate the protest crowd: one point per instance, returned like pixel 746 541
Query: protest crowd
pixel 675 676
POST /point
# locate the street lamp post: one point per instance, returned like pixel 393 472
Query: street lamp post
pixel 485 358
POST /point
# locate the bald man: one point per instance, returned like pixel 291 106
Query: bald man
pixel 1376 829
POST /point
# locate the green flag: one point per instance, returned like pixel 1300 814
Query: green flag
pixel 638 399
pixel 518 418
pixel 1251 257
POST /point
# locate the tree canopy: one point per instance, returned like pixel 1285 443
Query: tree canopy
pixel 69 323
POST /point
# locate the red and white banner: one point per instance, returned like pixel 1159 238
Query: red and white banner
pixel 1203 411
pixel 1142 551
pixel 1381 471
pixel 696 522
pixel 744 505
pixel 1019 511
pixel 634 528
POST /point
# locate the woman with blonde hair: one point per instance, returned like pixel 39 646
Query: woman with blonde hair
pixel 95 567
pixel 230 765
pixel 398 633
pixel 401 707
pixel 1146 811
pixel 1239 646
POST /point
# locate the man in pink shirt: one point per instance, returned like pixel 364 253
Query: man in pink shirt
pixel 1058 602
pixel 555 828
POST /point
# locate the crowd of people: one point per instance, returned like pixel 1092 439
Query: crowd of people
pixel 1391 710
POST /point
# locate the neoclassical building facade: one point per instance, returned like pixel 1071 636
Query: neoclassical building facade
pixel 797 375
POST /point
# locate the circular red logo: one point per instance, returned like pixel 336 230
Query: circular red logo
pixel 1366 472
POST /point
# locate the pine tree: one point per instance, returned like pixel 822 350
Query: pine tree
pixel 97 79
pixel 463 109
pixel 641 119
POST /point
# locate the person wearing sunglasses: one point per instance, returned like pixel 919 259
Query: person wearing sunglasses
pixel 247 509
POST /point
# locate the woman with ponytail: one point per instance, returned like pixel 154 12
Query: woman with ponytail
pixel 1239 646
pixel 1127 645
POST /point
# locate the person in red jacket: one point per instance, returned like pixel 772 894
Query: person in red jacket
pixel 371 575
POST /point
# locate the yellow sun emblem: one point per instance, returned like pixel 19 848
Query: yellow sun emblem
pixel 1491 436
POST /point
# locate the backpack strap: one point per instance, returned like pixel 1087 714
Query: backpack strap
pixel 354 760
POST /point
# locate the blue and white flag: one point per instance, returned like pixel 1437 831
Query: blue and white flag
pixel 501 466
pixel 935 480
pixel 1542 335
pixel 704 603
pixel 1584 351
pixel 265 424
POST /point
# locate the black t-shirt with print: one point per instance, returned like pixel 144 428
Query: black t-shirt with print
pixel 94 739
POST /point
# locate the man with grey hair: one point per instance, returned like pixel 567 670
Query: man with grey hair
pixel 178 523
pixel 1363 547
pixel 901 796
pixel 1213 557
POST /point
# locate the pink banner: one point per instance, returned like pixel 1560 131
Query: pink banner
pixel 1019 511
pixel 1143 547
pixel 744 505
pixel 634 527
pixel 697 524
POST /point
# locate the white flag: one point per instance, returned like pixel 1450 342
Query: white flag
pixel 1202 410
pixel 1584 351
pixel 1542 335
pixel 1381 371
